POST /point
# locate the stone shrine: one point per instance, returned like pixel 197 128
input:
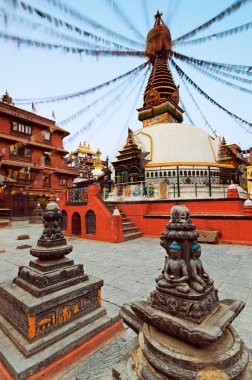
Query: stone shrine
pixel 184 330
pixel 51 307
pixel 37 215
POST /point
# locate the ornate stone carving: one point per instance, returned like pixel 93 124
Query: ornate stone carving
pixel 184 307
pixel 175 271
pixel 199 278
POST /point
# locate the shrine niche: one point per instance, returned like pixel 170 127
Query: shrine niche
pixel 76 224
pixel 90 222
pixel 183 327
pixel 64 220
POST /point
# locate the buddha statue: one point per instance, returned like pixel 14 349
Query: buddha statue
pixel 175 271
pixel 200 280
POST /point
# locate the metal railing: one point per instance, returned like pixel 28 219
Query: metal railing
pixel 154 190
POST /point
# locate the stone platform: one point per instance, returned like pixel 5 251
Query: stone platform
pixel 60 354
pixel 35 323
pixel 52 308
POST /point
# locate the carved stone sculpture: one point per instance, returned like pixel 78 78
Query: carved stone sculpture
pixel 199 278
pixel 183 327
pixel 175 271
pixel 52 309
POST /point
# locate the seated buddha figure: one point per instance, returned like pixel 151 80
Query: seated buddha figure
pixel 175 271
pixel 200 279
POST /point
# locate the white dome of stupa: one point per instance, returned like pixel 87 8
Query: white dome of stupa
pixel 177 143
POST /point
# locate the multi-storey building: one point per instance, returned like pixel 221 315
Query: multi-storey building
pixel 31 159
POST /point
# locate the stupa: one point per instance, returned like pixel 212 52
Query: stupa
pixel 51 307
pixel 177 155
pixel 184 329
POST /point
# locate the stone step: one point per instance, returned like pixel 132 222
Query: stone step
pixel 128 223
pixel 133 235
pixel 127 230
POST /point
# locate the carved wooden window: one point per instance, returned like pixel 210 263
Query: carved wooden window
pixel 62 181
pixel 47 135
pixel 47 181
pixel 47 159
pixel 21 152
pixel 21 128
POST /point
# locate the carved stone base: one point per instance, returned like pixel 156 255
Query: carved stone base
pixel 33 323
pixel 161 357
pixel 47 276
pixel 52 250
pixel 193 306
pixel 199 335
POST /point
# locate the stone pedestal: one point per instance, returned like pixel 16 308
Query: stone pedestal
pixel 184 330
pixel 52 306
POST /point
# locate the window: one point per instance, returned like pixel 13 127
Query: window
pixel 47 181
pixel 147 174
pixel 47 159
pixel 21 128
pixel 27 153
pixel 47 135
pixel 165 174
pixel 160 174
pixel 63 181
pixel 21 152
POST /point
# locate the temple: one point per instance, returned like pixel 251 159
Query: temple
pixel 181 161
pixel 162 164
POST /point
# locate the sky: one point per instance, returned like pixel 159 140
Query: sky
pixel 30 72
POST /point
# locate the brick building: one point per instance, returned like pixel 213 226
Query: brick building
pixel 31 159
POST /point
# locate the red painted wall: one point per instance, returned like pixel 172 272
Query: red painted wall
pixel 235 228
pixel 231 231
pixel 108 226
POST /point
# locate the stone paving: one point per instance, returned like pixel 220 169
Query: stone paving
pixel 129 270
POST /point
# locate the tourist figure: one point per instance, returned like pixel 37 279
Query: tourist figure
pixel 200 279
pixel 175 271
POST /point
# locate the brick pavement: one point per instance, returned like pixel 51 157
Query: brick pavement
pixel 129 270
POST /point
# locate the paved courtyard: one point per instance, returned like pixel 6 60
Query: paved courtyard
pixel 129 270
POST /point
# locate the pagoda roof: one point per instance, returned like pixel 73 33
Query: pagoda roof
pixel 83 148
